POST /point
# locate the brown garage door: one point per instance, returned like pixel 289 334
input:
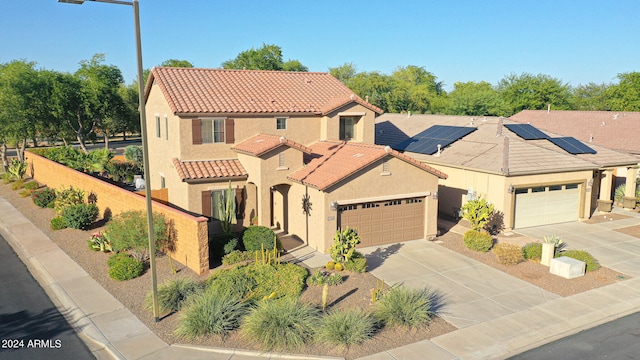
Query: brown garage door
pixel 384 222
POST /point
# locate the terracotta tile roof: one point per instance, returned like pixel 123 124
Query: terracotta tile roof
pixel 209 169
pixel 615 130
pixel 263 143
pixel 334 161
pixel 219 91
pixel 486 149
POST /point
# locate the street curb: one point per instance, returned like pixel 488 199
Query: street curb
pixel 266 355
pixel 82 325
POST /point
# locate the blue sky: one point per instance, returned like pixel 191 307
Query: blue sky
pixel 576 41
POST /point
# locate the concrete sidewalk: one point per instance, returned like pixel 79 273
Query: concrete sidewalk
pixel 497 314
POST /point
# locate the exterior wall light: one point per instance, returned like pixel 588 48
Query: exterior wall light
pixel 434 195
pixel 333 206
pixel 511 189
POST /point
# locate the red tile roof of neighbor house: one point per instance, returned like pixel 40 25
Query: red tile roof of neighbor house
pixel 219 91
pixel 263 143
pixel 334 161
pixel 209 169
pixel 616 130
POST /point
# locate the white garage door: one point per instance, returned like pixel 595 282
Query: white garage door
pixel 546 205
pixel 384 222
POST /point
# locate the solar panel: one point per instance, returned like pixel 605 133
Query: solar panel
pixel 526 131
pixel 572 145
pixel 427 141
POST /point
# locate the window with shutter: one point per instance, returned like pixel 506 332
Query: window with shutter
pixel 229 130
pixel 196 132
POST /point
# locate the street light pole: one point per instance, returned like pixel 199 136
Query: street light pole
pixel 145 145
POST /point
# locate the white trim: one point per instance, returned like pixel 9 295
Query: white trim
pixel 352 113
pixel 383 198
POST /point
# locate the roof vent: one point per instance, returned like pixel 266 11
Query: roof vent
pixel 472 119
pixel 439 150
pixel 387 149
pixel 615 116
pixel 352 96
pixel 590 137
pixel 366 98
pixel 283 139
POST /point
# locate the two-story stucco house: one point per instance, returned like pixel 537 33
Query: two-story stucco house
pixel 284 139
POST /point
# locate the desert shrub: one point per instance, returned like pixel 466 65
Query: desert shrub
pixel 211 313
pixel 43 198
pixel 122 171
pixel 17 185
pixel 618 194
pixel 58 223
pixel 222 244
pixel 357 263
pixel 478 240
pixel 133 154
pixel 80 216
pixel 532 251
pixel 280 324
pixel 344 245
pixel 320 278
pixel 478 212
pixel 582 255
pixel 345 327
pixel 115 258
pixel 7 178
pixel 67 197
pixel 235 281
pixel 403 306
pixel 125 267
pixel 99 242
pixel 508 254
pixel 32 185
pixel 25 193
pixel 17 169
pixel 128 231
pixel 173 294
pixel 256 236
pixel 237 256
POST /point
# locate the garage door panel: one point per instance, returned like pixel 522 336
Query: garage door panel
pixel 385 222
pixel 555 205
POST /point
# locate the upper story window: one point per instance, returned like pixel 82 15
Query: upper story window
pixel 347 127
pixel 166 127
pixel 157 125
pixel 212 131
pixel 281 123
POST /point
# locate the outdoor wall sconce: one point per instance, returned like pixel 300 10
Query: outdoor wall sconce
pixel 333 206
pixel 510 189
pixel 434 195
pixel 590 182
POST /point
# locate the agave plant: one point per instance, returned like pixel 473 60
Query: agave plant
pixel 557 242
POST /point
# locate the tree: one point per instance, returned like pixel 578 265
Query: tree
pixel 534 92
pixel 475 99
pixel 268 57
pixel 415 89
pixel 625 96
pixel 103 105
pixel 344 72
pixel 177 63
pixel 590 97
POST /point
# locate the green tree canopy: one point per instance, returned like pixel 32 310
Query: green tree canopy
pixel 344 72
pixel 625 96
pixel 177 63
pixel 534 92
pixel 590 97
pixel 268 57
pixel 475 99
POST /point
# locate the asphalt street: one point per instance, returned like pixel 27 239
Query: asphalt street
pixel 614 340
pixel 31 327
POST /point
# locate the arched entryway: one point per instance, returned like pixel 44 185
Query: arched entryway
pixel 280 207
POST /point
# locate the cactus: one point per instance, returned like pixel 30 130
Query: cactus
pixel 344 244
pixel 339 267
pixel 227 209
pixel 268 256
pixel 325 296
pixel 376 293
pixel 330 265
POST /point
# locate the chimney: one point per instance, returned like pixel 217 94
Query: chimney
pixel 499 129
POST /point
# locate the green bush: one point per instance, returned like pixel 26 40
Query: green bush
pixel 344 245
pixel 125 268
pixel 66 198
pixel 257 236
pixel 478 212
pixel 222 244
pixel 211 313
pixel 58 223
pixel 237 256
pixel 478 240
pixel 128 231
pixel 115 258
pixel 532 251
pixel 99 242
pixel 32 185
pixel 508 254
pixel 173 294
pixel 44 198
pixel 345 327
pixel 357 263
pixel 582 255
pixel 280 324
pixel 17 169
pixel 235 281
pixel 320 278
pixel 17 185
pixel 403 306
pixel 80 216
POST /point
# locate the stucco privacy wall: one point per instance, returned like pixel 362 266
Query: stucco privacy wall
pixel 191 243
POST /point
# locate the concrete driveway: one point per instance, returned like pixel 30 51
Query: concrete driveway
pixel 612 248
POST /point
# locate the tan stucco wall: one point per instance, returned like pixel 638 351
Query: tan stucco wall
pixel 494 188
pixel 404 179
pixel 364 129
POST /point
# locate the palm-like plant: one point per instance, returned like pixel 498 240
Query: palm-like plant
pixel 478 212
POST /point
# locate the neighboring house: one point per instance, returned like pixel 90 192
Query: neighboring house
pixel 532 178
pixel 617 130
pixel 285 140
